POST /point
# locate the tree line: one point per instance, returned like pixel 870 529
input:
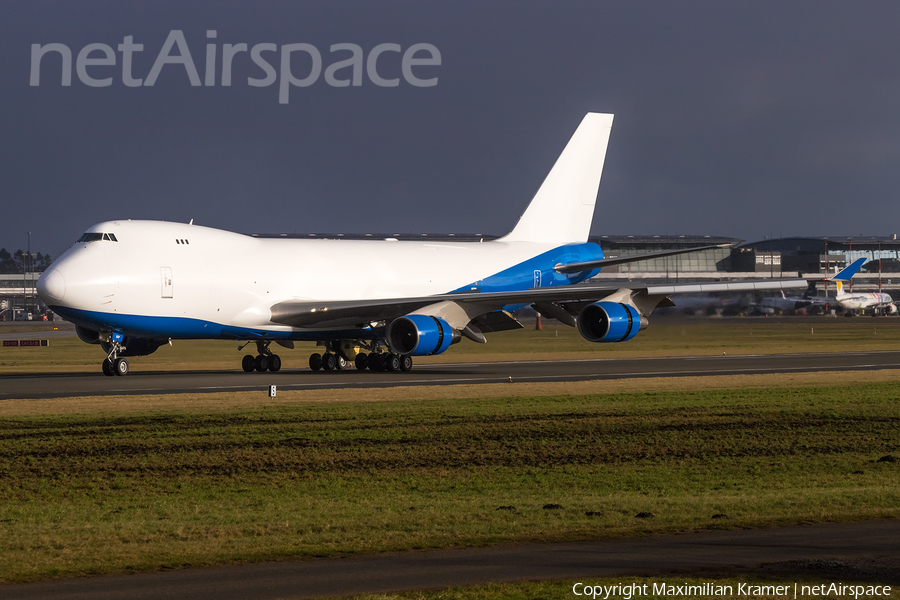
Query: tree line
pixel 14 263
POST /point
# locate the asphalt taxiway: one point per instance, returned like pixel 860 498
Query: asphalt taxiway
pixel 52 385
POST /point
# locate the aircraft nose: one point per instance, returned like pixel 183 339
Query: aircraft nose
pixel 51 287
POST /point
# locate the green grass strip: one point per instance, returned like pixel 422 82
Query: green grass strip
pixel 100 494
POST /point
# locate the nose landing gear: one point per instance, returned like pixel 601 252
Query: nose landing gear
pixel 114 364
pixel 264 360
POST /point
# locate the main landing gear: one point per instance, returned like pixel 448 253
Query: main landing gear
pixel 339 356
pixel 114 364
pixel 264 360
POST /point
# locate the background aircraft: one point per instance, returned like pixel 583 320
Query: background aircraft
pixel 132 286
pixel 878 302
pixel 785 303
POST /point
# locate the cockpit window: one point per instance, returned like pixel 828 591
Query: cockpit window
pixel 96 237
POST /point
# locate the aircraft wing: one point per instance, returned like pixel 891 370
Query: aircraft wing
pixel 361 313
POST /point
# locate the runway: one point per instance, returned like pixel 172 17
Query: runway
pixel 53 385
pixel 841 552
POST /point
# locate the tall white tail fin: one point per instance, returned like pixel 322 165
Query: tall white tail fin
pixel 562 210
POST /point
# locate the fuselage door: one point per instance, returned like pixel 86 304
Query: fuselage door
pixel 165 274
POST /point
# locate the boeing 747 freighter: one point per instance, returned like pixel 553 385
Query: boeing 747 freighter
pixel 133 286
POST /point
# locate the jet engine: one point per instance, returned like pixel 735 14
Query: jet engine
pixel 420 335
pixel 136 346
pixel 610 322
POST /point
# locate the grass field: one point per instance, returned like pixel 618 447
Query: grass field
pixel 664 337
pixel 139 483
pixel 151 484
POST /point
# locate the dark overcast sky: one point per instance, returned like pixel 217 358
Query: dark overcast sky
pixel 740 119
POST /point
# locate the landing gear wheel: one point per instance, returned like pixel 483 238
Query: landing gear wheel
pixel 121 366
pixel 392 363
pixel 108 368
pixel 315 361
pixel 374 362
pixel 405 362
pixel 274 363
pixel 362 361
pixel 262 363
pixel 248 363
pixel 341 362
pixel 329 361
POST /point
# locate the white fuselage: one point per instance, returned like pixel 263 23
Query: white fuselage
pixel 173 270
pixel 863 301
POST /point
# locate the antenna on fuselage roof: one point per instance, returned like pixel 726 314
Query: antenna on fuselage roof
pixel 192 222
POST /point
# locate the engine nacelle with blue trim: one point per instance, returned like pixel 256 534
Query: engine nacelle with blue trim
pixel 420 335
pixel 610 322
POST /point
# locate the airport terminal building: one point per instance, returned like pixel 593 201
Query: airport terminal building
pixel 776 258
pixel 18 296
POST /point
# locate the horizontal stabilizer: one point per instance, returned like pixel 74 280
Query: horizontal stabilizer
pixel 620 260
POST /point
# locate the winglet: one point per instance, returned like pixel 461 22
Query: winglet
pixel 562 210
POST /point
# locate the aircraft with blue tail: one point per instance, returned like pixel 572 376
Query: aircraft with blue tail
pixel 879 302
pixel 134 286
